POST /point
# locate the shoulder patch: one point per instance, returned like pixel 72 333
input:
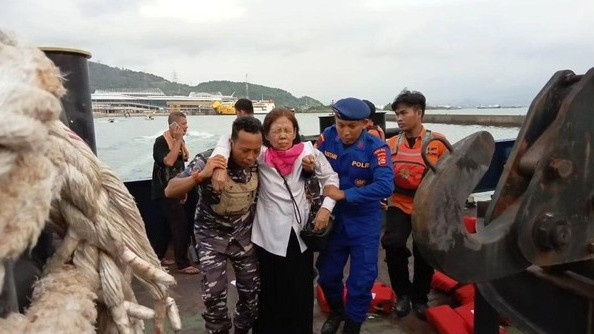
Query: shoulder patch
pixel 382 156
pixel 331 155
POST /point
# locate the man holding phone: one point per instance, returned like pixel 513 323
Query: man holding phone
pixel 170 153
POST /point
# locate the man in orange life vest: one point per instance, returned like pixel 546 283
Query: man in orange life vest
pixel 409 169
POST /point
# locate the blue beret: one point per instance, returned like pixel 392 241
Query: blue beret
pixel 351 109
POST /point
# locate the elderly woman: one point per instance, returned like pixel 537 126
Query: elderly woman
pixel 286 265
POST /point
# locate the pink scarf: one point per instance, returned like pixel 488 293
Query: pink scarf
pixel 283 160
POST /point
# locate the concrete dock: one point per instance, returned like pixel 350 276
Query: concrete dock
pixel 485 120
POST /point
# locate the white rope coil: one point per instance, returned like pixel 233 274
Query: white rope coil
pixel 50 177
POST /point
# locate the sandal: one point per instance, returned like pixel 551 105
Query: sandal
pixel 166 262
pixel 189 270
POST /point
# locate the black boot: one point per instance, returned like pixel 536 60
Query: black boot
pixel 351 327
pixel 333 322
pixel 241 331
pixel 403 306
pixel 420 310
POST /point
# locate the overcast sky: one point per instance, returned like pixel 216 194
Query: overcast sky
pixel 454 51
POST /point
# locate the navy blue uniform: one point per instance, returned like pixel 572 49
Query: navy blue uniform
pixel 366 176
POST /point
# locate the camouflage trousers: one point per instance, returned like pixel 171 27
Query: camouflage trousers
pixel 213 265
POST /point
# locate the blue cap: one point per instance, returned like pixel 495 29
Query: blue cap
pixel 351 109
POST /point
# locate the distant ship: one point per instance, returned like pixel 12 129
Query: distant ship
pixel 260 107
pixel 223 108
pixel 490 106
pixel 263 106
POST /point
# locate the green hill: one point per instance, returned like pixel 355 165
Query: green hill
pixel 107 77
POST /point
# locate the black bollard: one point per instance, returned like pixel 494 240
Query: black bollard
pixel 379 118
pixel 77 101
pixel 325 121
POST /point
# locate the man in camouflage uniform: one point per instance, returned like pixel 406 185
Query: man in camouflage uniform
pixel 223 225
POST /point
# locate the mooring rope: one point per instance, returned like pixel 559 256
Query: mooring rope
pixel 49 176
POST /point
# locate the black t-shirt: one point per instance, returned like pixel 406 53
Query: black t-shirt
pixel 411 141
pixel 161 173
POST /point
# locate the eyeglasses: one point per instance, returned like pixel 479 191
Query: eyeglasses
pixel 278 131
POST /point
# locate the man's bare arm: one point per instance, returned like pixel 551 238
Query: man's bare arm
pixel 171 157
pixel 179 186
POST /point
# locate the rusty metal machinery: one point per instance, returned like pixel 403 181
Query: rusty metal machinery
pixel 532 253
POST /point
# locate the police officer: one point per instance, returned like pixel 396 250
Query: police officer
pixel 223 226
pixel 364 167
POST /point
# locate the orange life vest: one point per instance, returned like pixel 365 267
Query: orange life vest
pixel 377 131
pixel 409 167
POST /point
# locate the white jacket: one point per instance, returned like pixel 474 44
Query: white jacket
pixel 275 216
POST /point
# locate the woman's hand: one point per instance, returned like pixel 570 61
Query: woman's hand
pixel 212 164
pixel 219 176
pixel 219 180
pixel 308 163
pixel 322 218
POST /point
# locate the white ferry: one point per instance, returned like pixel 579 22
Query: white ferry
pixel 263 106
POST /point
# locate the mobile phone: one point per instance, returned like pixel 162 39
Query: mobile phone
pixel 173 126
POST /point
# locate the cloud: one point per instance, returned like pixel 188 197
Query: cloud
pixel 215 12
pixel 452 50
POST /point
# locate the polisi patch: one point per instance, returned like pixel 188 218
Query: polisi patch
pixel 360 164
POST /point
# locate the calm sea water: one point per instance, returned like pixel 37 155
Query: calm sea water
pixel 126 145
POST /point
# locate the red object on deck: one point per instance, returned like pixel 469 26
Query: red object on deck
pixel 465 294
pixel 470 223
pixel 443 282
pixel 466 312
pixel 322 299
pixel 324 307
pixel 382 299
pixel 446 320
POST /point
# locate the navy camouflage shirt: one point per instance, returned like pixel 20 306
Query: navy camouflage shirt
pixel 210 227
